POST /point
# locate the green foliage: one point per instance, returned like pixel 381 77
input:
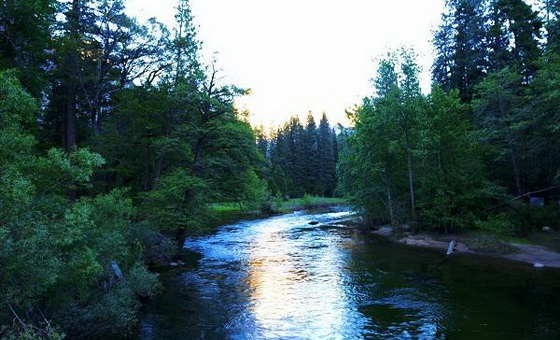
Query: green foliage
pixel 500 224
pixel 408 149
pixel 377 167
pixel 56 252
pixel 477 38
pixel 20 330
pixel 303 158
pixel 175 205
pixel 530 219
pixel 490 244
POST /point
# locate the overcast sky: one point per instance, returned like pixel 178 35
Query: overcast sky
pixel 302 55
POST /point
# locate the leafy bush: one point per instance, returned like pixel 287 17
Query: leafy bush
pixel 500 224
pixel 21 330
pixel 489 244
pixel 530 219
pixel 307 201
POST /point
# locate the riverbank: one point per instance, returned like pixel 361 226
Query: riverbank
pixel 282 206
pixel 477 243
pixel 316 274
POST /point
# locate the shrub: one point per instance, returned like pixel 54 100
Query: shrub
pixel 500 224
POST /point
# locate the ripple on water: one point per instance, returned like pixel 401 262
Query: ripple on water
pixel 281 278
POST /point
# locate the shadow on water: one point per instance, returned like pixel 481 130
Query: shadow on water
pixel 281 278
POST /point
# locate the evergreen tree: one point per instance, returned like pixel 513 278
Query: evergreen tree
pixel 26 33
pixel 310 160
pixel 521 29
pixel 498 102
pixel 327 157
pixel 461 47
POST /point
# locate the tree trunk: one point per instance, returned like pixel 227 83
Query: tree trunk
pixel 70 120
pixel 389 198
pixel 71 86
pixel 410 177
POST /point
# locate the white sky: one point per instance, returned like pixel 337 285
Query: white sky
pixel 302 55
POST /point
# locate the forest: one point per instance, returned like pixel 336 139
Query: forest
pixel 116 139
pixel 481 150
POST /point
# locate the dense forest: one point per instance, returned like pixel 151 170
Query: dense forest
pixel 301 158
pixel 482 144
pixel 114 137
pixel 115 140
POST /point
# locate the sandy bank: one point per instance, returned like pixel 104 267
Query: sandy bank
pixel 534 255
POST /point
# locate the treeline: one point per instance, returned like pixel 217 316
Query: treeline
pixel 469 154
pixel 114 137
pixel 301 158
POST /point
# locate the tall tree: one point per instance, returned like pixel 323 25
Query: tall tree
pixel 310 160
pixel 521 28
pixel 26 33
pixel 461 51
pixel 327 157
pixel 498 102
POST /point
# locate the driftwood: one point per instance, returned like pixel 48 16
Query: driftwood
pixel 521 196
pixel 117 270
pixel 450 248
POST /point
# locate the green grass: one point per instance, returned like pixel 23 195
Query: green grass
pixel 307 202
pixel 311 202
pixel 225 207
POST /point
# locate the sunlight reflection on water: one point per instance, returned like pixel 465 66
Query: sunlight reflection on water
pixel 291 290
pixel 282 278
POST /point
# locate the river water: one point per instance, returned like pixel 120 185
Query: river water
pixel 282 278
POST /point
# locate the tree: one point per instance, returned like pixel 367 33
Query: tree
pixel 551 10
pixel 453 186
pixel 498 102
pixel 385 137
pixel 327 157
pixel 310 154
pixel 520 27
pixel 461 52
pixel 26 44
pixel 57 253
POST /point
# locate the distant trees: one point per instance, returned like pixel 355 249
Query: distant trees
pixel 303 158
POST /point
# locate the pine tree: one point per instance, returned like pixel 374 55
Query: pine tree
pixel 327 157
pixel 461 51
pixel 521 27
pixel 310 160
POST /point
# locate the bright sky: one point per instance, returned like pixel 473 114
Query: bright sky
pixel 302 55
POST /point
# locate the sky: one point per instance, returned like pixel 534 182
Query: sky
pixel 298 56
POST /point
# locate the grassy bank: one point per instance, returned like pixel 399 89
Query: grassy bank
pixel 306 202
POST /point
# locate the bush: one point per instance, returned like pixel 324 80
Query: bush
pixel 530 219
pixel 500 224
pixel 307 202
pixel 21 330
pixel 489 244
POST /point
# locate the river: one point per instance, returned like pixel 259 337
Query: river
pixel 282 278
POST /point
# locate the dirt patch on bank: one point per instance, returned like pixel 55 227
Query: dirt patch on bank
pixel 534 255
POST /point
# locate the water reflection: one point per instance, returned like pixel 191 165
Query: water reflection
pixel 282 278
pixel 295 280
